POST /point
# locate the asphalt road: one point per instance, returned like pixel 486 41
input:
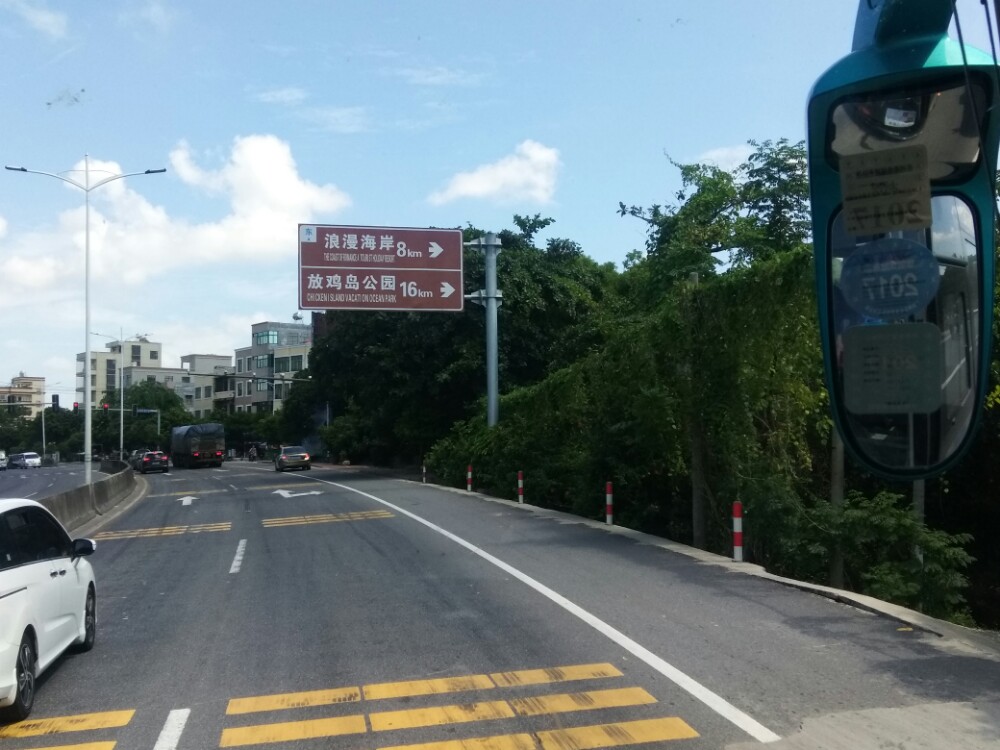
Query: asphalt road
pixel 44 481
pixel 240 607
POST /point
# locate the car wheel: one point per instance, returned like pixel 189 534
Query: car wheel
pixel 24 698
pixel 90 623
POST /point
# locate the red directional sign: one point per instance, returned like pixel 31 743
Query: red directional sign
pixel 379 268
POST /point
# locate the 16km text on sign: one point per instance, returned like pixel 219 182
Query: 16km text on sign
pixel 380 268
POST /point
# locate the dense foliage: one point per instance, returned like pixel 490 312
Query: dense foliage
pixel 694 372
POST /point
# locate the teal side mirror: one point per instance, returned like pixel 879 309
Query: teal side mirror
pixel 902 151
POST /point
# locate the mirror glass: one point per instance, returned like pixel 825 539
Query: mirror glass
pixel 904 317
pixel 939 117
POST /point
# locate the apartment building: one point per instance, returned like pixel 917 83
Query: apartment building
pixel 264 372
pixel 25 394
pixel 105 367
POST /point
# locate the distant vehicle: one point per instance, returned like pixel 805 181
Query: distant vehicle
pixel 154 461
pixel 3 460
pixel 292 457
pixel 135 457
pixel 194 445
pixel 47 600
pixel 25 461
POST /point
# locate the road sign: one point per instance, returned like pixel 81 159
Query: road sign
pixel 380 268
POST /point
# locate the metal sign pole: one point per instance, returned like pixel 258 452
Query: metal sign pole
pixel 491 298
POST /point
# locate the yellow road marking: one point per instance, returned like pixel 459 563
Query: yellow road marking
pixel 578 738
pixel 499 742
pixel 365 515
pixel 165 531
pixel 557 704
pixel 438 715
pixel 77 723
pixel 293 700
pixel 293 730
pixel 84 746
pixel 556 674
pixel 384 690
pixel 427 687
pixel 617 734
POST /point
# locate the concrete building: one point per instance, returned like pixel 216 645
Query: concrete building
pixel 264 371
pixel 141 361
pixel 27 392
pixel 104 367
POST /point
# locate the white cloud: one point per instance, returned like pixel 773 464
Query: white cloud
pixel 727 158
pixel 529 174
pixel 39 18
pixel 338 119
pixel 152 14
pixel 289 95
pixel 438 76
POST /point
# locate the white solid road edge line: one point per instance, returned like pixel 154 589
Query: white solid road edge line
pixel 170 735
pixel 238 560
pixel 714 701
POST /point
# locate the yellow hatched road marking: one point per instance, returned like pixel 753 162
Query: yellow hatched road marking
pixel 385 690
pixel 84 746
pixel 556 674
pixel 617 734
pixel 293 730
pixel 577 738
pixel 293 700
pixel 557 704
pixel 365 515
pixel 438 715
pixel 165 531
pixel 77 723
pixel 427 687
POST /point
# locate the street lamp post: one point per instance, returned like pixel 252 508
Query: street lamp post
pixel 86 187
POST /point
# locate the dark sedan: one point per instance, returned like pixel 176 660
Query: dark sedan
pixel 292 457
pixel 153 461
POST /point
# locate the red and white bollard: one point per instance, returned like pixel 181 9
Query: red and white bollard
pixel 738 531
pixel 423 472
pixel 468 478
pixel 609 505
pixel 520 486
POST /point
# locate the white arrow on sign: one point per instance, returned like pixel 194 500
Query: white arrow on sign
pixel 446 289
pixel 186 500
pixel 435 249
pixel 286 494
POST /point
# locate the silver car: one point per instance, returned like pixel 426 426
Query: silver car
pixel 292 457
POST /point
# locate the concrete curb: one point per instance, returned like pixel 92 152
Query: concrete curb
pixel 985 641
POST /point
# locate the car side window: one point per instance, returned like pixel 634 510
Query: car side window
pixel 10 554
pixel 39 536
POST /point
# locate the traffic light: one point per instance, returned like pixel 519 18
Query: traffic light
pixel 135 410
pixel 76 406
pixel 105 407
pixel 903 139
pixel 55 402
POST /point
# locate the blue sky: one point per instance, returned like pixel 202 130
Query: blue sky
pixel 436 113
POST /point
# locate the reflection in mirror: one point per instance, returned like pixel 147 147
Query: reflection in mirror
pixel 940 117
pixel 904 313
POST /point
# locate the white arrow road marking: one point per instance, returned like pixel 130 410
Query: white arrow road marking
pixel 446 289
pixel 435 249
pixel 186 500
pixel 287 493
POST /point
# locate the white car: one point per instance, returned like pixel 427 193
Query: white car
pixel 48 600
pixel 26 461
